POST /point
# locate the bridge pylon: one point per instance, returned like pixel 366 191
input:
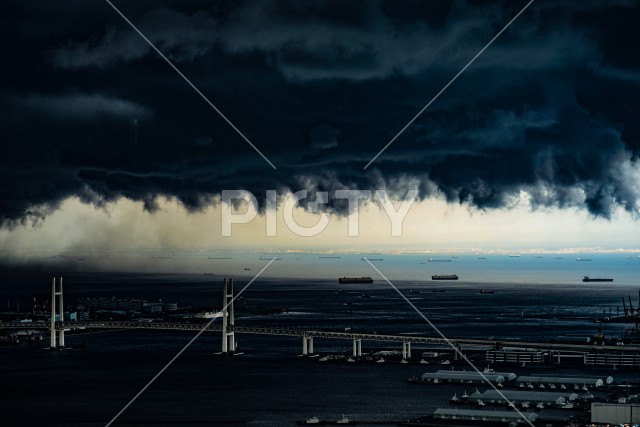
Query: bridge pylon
pixel 228 318
pixel 56 335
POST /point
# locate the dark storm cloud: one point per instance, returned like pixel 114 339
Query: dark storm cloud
pixel 83 106
pixel 551 109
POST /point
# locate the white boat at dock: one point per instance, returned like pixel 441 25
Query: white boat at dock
pixel 344 420
pixel 312 420
pixel 203 315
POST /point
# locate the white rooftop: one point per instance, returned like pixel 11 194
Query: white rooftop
pixel 482 413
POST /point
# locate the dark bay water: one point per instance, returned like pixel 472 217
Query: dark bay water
pixel 270 385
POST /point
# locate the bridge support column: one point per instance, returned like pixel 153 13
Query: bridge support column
pixel 404 350
pixel 228 319
pixel 52 332
pixel 359 347
pixel 310 345
pixel 355 347
pixel 61 309
pixel 56 335
pixel 409 350
pixel 305 349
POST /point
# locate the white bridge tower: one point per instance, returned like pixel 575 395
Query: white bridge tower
pixel 57 335
pixel 228 319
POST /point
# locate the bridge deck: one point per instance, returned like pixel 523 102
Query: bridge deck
pixel 215 327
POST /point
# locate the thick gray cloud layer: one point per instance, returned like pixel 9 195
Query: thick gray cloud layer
pixel 551 108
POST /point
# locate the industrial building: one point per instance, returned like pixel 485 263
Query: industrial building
pixel 612 359
pixel 549 398
pixel 603 414
pixel 566 381
pixel 126 307
pixel 483 415
pixel 515 357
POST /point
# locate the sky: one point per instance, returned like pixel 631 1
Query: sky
pixel 105 147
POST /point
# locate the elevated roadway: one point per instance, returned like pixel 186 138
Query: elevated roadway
pixel 303 333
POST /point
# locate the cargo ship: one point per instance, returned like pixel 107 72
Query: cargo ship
pixel 344 280
pixel 595 279
pixel 445 277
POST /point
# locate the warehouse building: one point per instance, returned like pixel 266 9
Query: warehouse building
pixel 508 376
pixel 513 357
pixel 566 381
pixel 547 398
pixel 483 415
pixel 603 414
pixel 612 359
pixel 462 377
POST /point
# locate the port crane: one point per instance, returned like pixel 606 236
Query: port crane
pixel 631 315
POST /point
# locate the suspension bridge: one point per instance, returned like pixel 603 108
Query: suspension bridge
pixel 225 325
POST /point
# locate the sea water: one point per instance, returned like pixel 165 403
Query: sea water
pixel 269 385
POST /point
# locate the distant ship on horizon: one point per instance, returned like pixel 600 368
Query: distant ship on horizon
pixel 344 280
pixel 596 279
pixel 444 277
